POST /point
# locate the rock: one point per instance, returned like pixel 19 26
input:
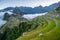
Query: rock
pixel 40 34
pixel 1 32
pixel 57 15
pixel 6 16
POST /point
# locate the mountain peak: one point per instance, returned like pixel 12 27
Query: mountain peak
pixel 38 9
pixel 40 6
pixel 58 3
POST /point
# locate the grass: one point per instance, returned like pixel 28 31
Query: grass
pixel 34 33
pixel 50 30
pixel 52 35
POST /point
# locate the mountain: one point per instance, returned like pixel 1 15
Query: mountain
pixel 51 7
pixel 38 9
pixel 46 27
pixel 7 9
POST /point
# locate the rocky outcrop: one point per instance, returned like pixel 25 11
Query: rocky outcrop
pixel 6 16
pixel 17 12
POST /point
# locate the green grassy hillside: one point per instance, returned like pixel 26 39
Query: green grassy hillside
pixel 50 30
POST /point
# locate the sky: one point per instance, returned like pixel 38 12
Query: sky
pixel 26 3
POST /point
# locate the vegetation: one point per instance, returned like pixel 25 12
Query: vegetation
pixel 48 32
pixel 45 27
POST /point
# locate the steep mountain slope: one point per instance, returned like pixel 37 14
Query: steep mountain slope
pixel 15 25
pixel 50 30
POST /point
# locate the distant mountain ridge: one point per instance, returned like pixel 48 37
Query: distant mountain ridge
pixel 39 9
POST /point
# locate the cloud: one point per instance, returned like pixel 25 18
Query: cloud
pixel 30 16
